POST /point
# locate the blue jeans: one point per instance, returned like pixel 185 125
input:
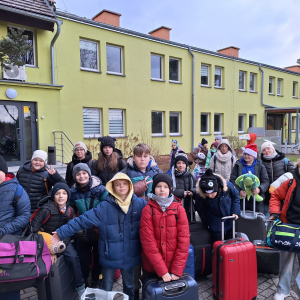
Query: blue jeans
pixel 266 211
pixel 287 260
pixel 127 277
pixel 15 295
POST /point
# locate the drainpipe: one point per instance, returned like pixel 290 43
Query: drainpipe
pixel 193 89
pixel 58 23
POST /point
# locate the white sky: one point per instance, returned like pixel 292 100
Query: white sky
pixel 267 31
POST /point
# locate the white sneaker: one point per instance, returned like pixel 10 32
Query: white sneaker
pixel 279 296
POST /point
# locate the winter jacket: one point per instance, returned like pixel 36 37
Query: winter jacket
pixel 37 184
pixel 107 174
pixel 69 174
pixel 13 219
pixel 119 243
pixel 200 149
pixel 49 217
pixel 225 204
pixel 172 158
pixel 81 201
pixel 187 182
pixel 259 171
pixel 165 238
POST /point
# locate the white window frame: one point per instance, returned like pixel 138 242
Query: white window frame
pixel 295 89
pixel 271 81
pixel 121 62
pixel 86 136
pixel 254 85
pixel 221 81
pixel 161 66
pixel 162 125
pixel 280 91
pixel 207 123
pixel 244 81
pixel 123 116
pixel 174 113
pixel 221 125
pixel 254 119
pixel 208 71
pixel 97 44
pixel 178 69
pixel 243 129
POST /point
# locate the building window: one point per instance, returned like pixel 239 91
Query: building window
pixel 294 123
pixel 251 120
pixel 116 122
pixel 205 75
pixel 114 57
pixel 174 123
pixel 174 69
pixel 89 55
pixel 241 125
pixel 156 67
pixel 242 77
pixel 91 122
pixel 279 86
pixel 204 123
pixel 271 85
pixel 218 77
pixel 217 123
pixel 29 58
pixel 295 89
pixel 157 123
pixel 252 82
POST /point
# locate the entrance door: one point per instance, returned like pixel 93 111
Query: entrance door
pixel 275 122
pixel 18 132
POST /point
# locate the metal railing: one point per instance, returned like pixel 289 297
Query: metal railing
pixel 64 146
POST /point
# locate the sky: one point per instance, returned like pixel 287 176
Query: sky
pixel 265 31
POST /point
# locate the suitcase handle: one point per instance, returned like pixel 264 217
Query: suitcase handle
pixel 233 226
pixel 254 214
pixel 175 288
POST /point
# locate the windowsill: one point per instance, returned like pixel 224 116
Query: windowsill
pixel 205 133
pixel 158 135
pixel 177 82
pixel 270 94
pixel 206 86
pixel 119 136
pixel 253 92
pixel 116 74
pixel 92 138
pixel 243 91
pixel 175 134
pixel 293 130
pixel 92 71
pixel 219 88
pixel 280 96
pixel 33 67
pixel 241 131
pixel 160 80
pixel 218 133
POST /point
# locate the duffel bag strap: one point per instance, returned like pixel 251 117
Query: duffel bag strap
pixel 9 266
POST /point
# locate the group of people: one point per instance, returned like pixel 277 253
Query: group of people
pixel 130 215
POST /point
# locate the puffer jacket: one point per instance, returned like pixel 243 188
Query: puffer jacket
pixel 200 149
pixel 49 217
pixel 81 201
pixel 165 238
pixel 211 211
pixel 107 174
pixel 119 243
pixel 13 219
pixel 87 160
pixel 37 184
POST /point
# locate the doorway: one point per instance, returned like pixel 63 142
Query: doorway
pixel 18 131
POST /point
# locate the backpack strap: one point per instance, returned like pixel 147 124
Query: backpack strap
pixel 92 201
pixel 18 195
pixel 286 162
pixel 215 159
pixel 45 175
pixel 34 214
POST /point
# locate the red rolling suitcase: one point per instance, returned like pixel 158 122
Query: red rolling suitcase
pixel 234 268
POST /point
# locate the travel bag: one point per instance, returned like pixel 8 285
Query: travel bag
pixel 234 268
pixel 190 263
pixel 23 261
pixel 252 223
pixel 185 288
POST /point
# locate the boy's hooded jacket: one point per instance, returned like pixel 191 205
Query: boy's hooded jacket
pixel 165 238
pixel 119 242
pixel 13 219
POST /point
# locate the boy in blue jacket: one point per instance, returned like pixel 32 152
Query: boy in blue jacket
pixel 118 221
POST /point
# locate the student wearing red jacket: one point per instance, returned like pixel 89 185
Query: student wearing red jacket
pixel 164 232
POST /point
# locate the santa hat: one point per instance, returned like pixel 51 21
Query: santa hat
pixel 251 150
pixel 249 137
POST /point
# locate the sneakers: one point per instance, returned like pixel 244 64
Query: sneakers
pixel 279 296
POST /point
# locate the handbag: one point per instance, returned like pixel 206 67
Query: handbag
pixel 98 294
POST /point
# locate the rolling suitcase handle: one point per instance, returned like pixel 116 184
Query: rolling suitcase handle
pixel 233 226
pixel 254 214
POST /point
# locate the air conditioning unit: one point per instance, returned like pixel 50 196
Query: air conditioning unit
pixel 15 73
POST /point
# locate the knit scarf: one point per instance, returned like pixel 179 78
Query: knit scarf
pixel 164 203
pixel 176 173
pixel 269 157
pixel 85 187
pixel 223 157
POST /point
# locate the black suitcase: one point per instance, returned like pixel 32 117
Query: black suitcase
pixel 59 285
pixel 251 223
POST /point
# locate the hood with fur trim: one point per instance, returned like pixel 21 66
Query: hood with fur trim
pixel 221 181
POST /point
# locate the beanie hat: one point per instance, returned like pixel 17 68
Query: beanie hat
pixel 81 167
pixel 251 150
pixel 40 154
pixel 80 145
pixel 267 144
pixel 204 141
pixel 58 186
pixel 208 182
pixel 3 165
pixel 218 137
pixel 162 178
pixel 175 143
pixel 107 141
pixel 183 157
pixel 214 144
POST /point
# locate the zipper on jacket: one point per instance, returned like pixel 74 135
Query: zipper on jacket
pixel 131 220
pixel 272 170
pixel 119 224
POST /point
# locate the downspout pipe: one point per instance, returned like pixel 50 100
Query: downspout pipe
pixel 262 87
pixel 58 23
pixel 193 94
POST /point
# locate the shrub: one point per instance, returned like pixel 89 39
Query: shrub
pixel 235 142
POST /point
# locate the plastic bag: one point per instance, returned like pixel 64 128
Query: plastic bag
pixel 98 294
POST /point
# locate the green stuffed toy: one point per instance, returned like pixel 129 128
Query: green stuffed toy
pixel 248 182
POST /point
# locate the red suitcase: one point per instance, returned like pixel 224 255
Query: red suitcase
pixel 234 268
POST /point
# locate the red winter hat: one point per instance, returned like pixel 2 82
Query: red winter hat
pixel 251 150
